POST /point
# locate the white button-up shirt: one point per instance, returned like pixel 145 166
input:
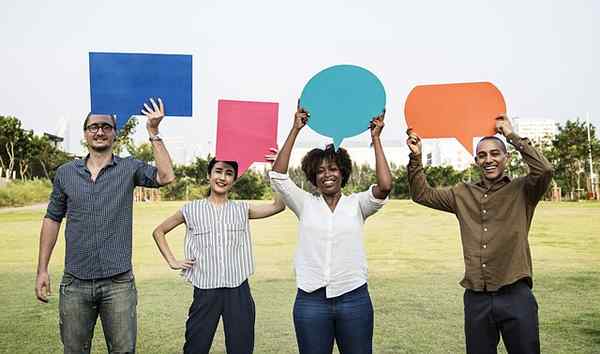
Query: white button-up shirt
pixel 330 251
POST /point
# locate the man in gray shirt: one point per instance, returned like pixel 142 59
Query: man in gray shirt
pixel 96 196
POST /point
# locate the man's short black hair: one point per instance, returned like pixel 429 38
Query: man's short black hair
pixel 495 138
pixel 87 118
pixel 233 164
pixel 313 159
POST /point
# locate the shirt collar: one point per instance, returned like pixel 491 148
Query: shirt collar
pixel 82 162
pixel 496 185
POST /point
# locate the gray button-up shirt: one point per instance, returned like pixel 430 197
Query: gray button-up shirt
pixel 218 238
pixel 99 213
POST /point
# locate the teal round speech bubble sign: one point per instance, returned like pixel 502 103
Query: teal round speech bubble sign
pixel 342 100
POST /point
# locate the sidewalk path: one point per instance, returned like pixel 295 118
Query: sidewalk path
pixel 24 208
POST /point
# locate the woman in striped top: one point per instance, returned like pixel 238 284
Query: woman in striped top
pixel 218 261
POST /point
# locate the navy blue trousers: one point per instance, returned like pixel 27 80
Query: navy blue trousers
pixel 512 312
pixel 235 305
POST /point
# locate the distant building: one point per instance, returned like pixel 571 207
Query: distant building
pixel 540 131
pixel 446 152
pixel 55 139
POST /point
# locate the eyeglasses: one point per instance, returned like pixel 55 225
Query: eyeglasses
pixel 93 128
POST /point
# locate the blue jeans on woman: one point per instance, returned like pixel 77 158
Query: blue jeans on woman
pixel 347 318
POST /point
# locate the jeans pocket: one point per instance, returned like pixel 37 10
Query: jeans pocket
pixel 65 282
pixel 67 279
pixel 126 277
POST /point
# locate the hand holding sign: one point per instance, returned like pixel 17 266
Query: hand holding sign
pixel 342 100
pixel 462 111
pixel 120 83
pixel 154 115
pixel 246 132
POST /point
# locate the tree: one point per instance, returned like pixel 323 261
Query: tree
pixel 569 155
pixel 13 141
pixel 400 188
pixel 251 185
pixel 141 152
pixel 442 176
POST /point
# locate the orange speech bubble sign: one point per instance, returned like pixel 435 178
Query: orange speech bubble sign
pixel 462 111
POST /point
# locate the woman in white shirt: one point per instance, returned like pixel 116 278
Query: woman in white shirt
pixel 332 302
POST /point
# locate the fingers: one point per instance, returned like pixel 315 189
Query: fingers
pixel 411 134
pixel 161 106
pixel 42 290
pixel 154 105
pixel 187 264
pixel 148 109
pixel 144 112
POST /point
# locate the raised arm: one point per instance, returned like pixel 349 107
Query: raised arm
pixel 420 190
pixel 155 114
pixel 382 169
pixel 159 235
pixel 259 211
pixel 540 169
pixel 283 158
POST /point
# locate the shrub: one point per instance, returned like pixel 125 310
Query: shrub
pixel 19 193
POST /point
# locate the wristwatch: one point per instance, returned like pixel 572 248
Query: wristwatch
pixel 156 137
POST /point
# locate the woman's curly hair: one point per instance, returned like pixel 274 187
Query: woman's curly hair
pixel 313 159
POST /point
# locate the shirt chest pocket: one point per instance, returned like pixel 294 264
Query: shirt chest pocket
pixel 235 234
pixel 201 237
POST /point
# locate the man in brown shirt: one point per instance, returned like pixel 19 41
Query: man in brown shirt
pixel 494 215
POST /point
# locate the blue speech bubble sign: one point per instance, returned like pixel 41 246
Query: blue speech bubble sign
pixel 342 100
pixel 120 83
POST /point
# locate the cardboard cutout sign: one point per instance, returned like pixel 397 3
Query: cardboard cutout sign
pixel 342 100
pixel 120 83
pixel 462 111
pixel 246 131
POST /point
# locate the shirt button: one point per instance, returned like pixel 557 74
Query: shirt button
pixel 484 211
pixel 485 229
pixel 485 195
pixel 484 246
pixel 483 265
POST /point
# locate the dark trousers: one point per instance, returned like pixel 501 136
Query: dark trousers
pixel 347 318
pixel 237 308
pixel 512 312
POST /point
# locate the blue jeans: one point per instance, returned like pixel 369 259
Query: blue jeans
pixel 347 318
pixel 80 303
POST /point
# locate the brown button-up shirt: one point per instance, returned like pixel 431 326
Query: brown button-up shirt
pixel 494 220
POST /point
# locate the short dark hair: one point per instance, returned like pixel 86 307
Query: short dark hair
pixel 313 159
pixel 233 164
pixel 492 137
pixel 87 118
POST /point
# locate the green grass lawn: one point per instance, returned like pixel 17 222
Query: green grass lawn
pixel 415 263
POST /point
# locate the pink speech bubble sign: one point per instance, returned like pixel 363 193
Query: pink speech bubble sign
pixel 246 131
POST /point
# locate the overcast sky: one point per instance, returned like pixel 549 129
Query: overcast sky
pixel 540 54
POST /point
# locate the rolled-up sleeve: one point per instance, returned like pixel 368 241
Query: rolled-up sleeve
pixel 368 203
pixel 146 175
pixel 57 205
pixel 292 195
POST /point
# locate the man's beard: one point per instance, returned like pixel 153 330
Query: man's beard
pixel 101 149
